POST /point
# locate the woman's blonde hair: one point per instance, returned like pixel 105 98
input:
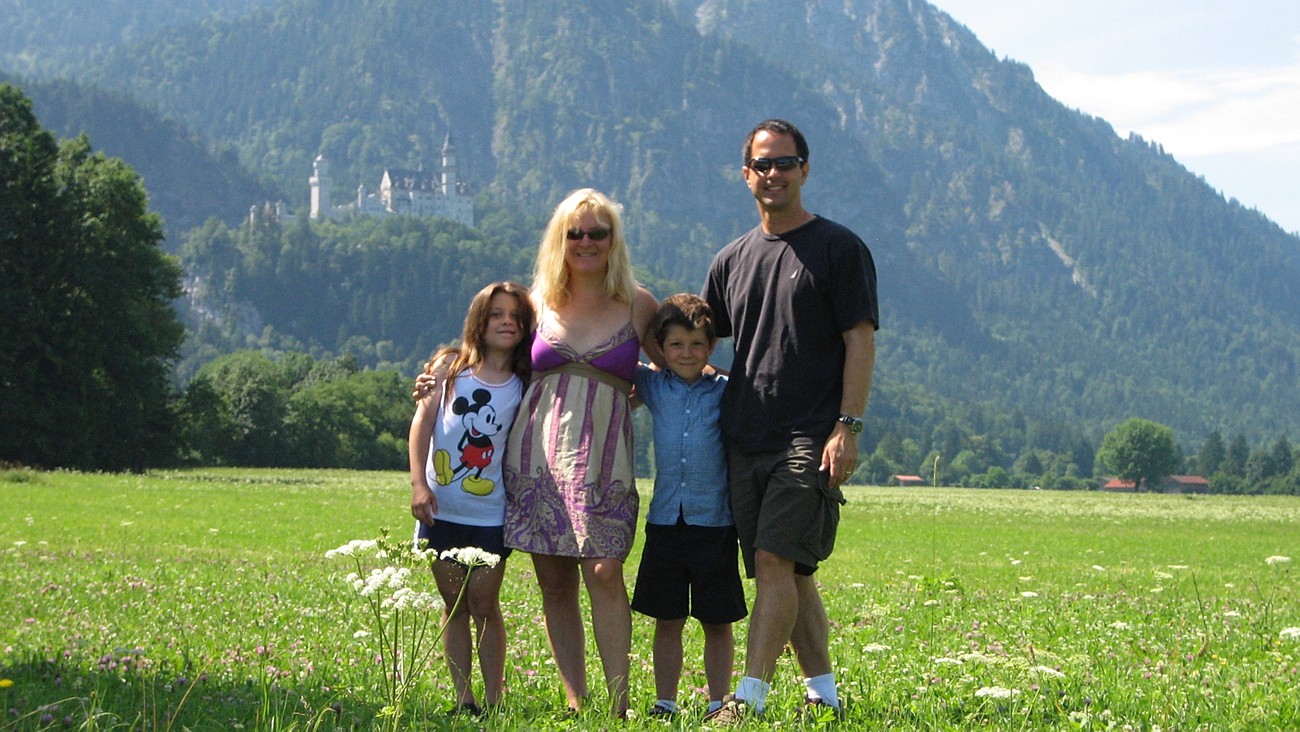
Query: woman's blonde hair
pixel 551 276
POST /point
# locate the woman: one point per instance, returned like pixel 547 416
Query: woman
pixel 571 499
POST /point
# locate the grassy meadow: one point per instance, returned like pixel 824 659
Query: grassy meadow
pixel 204 600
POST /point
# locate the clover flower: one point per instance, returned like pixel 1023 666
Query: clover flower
pixel 1291 633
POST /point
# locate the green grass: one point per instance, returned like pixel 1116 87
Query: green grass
pixel 203 600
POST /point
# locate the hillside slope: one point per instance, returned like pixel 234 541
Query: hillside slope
pixel 1029 257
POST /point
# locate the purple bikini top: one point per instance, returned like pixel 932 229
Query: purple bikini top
pixel 617 356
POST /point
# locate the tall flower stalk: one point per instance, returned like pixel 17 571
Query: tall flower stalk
pixel 406 624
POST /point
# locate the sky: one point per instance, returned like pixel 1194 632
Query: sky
pixel 1215 82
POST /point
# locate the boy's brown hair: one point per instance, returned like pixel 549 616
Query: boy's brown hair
pixel 687 310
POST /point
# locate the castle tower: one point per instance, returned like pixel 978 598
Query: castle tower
pixel 320 188
pixel 449 182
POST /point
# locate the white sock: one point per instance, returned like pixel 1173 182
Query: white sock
pixel 753 692
pixel 668 704
pixel 823 687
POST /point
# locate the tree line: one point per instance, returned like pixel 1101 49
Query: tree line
pixel 90 343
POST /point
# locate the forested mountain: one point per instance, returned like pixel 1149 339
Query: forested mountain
pixel 187 183
pixel 41 38
pixel 1031 261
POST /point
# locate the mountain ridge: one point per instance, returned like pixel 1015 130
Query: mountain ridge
pixel 1029 256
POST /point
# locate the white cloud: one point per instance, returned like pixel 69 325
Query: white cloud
pixel 1191 113
pixel 1216 83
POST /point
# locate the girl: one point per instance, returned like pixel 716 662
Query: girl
pixel 457 442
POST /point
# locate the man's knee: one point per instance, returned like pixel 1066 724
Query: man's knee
pixel 771 568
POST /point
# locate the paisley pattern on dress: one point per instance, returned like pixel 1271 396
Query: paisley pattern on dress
pixel 570 489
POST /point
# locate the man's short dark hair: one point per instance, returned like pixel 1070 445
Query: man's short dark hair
pixel 687 310
pixel 777 127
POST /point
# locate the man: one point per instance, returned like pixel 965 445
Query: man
pixel 798 295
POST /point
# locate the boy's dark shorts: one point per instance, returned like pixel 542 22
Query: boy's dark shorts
pixel 690 571
pixel 783 503
pixel 444 535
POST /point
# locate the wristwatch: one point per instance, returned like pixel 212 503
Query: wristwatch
pixel 854 424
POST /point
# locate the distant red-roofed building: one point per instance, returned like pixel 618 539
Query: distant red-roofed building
pixel 907 480
pixel 1172 484
pixel 1186 484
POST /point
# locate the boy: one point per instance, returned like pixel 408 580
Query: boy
pixel 688 564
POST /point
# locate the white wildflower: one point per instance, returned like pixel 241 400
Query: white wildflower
pixel 1277 560
pixel 1164 575
pixel 997 692
pixel 931 603
pixel 1047 671
pixel 397 577
pixel 1231 614
pixel 1029 593
pixel 945 661
pixel 1178 566
pixel 874 648
pixel 1099 568
pixel 471 556
pixel 351 548
pixel 1290 633
pixel 1119 625
pixel 361 634
pixel 1027 578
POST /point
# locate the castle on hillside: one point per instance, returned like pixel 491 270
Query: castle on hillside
pixel 401 193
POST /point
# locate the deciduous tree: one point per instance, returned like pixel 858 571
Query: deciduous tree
pixel 1140 451
pixel 88 334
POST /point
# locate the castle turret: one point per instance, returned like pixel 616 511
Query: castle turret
pixel 449 183
pixel 320 188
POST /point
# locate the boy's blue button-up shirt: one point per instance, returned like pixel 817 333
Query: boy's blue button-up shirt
pixel 690 460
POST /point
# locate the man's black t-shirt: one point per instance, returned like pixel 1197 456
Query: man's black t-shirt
pixel 787 300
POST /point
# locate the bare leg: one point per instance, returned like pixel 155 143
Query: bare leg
pixel 810 638
pixel 668 657
pixel 457 643
pixel 611 621
pixel 485 607
pixel 558 579
pixel 776 606
pixel 719 658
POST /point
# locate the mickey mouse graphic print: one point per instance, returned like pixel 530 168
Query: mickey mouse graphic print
pixel 469 442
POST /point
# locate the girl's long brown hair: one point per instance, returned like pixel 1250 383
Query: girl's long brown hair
pixel 454 359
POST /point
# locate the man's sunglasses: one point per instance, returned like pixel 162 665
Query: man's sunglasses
pixel 762 165
pixel 594 234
